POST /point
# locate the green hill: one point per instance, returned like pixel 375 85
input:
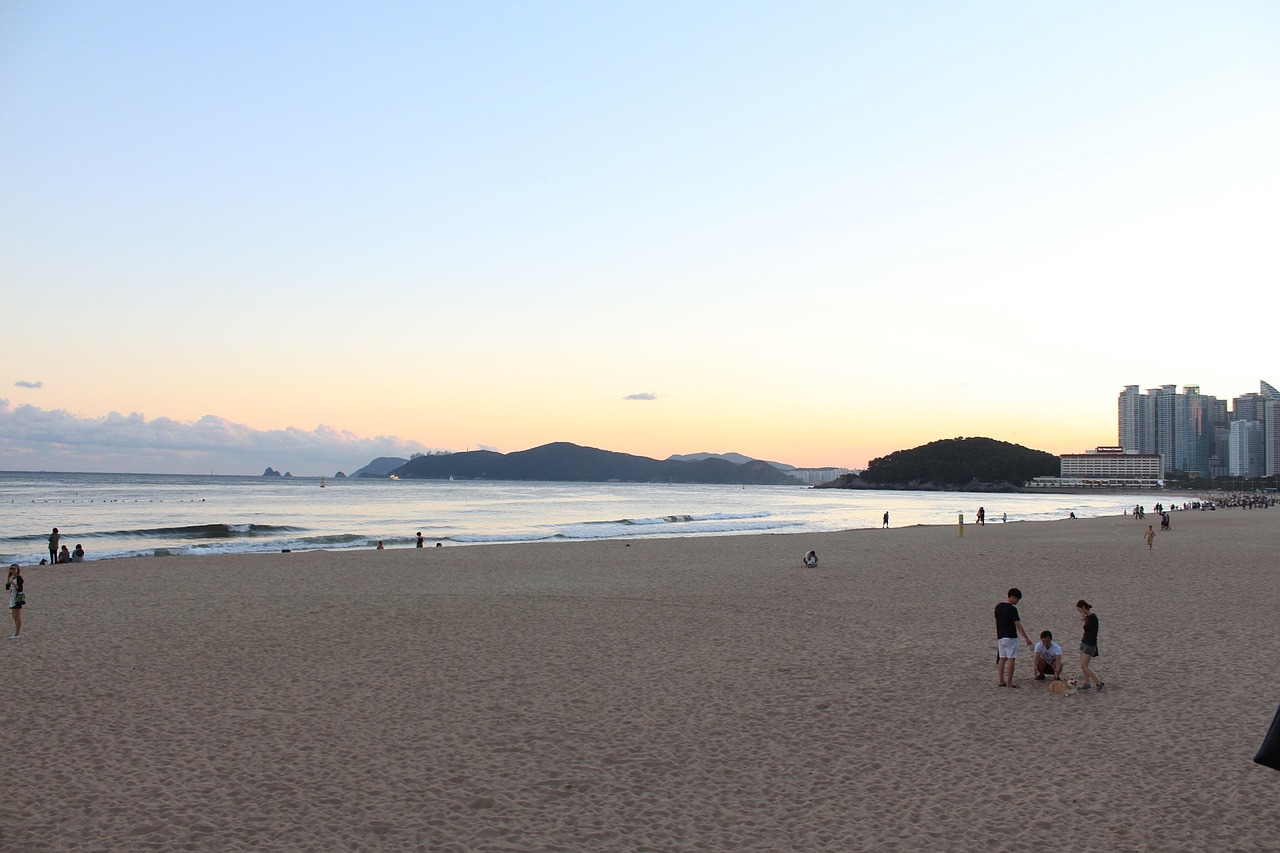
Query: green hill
pixel 957 462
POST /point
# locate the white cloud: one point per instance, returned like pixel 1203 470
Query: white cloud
pixel 645 395
pixel 27 383
pixel 32 438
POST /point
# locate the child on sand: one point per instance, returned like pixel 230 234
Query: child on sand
pixel 1151 536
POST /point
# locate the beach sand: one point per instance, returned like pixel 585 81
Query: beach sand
pixel 666 695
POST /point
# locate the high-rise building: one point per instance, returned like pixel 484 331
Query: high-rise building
pixel 1247 452
pixel 1130 418
pixel 1193 433
pixel 1270 428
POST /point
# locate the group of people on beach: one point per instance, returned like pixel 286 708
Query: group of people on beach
pixel 62 555
pixel 1048 654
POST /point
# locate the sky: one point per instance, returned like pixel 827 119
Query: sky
pixel 304 234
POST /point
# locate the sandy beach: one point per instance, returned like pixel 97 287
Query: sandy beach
pixel 663 695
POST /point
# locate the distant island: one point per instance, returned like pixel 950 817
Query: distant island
pixel 968 464
pixel 566 462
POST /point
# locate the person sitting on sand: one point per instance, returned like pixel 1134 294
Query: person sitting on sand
pixel 64 556
pixel 77 556
pixel 1048 657
pixel 811 559
pixel 380 547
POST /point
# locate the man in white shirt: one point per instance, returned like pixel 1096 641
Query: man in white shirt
pixel 1048 657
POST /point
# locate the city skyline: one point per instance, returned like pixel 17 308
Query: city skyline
pixel 1200 434
pixel 816 235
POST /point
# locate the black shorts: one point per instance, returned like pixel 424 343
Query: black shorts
pixel 1091 651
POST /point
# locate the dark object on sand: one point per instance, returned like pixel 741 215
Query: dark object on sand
pixel 1269 754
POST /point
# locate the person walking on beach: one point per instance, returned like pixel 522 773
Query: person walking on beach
pixel 886 519
pixel 1151 536
pixel 53 546
pixel 17 598
pixel 1088 645
pixel 1008 627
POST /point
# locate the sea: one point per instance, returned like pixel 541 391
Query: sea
pixel 132 515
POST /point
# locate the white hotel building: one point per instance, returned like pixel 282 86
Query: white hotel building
pixel 1106 468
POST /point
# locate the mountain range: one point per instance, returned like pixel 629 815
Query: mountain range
pixel 566 462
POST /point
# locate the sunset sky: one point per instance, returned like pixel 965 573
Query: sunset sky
pixel 302 234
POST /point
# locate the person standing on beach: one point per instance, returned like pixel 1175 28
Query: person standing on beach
pixel 419 538
pixel 982 516
pixel 53 546
pixel 1151 536
pixel 1008 627
pixel 1088 645
pixel 17 598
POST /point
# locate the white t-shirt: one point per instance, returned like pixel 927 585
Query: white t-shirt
pixel 1050 654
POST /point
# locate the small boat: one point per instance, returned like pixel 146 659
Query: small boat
pixel 392 477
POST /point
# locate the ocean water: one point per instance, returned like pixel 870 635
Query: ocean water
pixel 125 515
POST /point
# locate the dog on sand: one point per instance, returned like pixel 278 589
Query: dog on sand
pixel 1064 688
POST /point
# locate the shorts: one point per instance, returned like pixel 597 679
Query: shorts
pixel 1007 647
pixel 1091 651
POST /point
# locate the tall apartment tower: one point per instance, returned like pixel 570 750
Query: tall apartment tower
pixel 1193 432
pixel 1270 428
pixel 1247 456
pixel 1130 419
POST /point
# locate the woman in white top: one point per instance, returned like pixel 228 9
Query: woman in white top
pixel 13 583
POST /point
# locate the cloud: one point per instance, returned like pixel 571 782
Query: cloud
pixel 32 438
pixel 26 383
pixel 644 395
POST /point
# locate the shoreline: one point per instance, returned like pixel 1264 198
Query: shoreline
pixel 675 694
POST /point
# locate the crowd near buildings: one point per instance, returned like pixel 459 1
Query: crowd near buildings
pixel 1165 432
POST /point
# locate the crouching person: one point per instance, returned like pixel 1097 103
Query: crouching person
pixel 1048 657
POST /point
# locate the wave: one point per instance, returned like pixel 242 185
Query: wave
pixel 684 519
pixel 202 531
